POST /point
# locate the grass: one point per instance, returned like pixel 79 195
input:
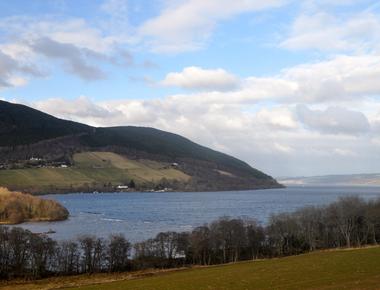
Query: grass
pixel 349 269
pixel 337 269
pixel 141 170
pixel 89 168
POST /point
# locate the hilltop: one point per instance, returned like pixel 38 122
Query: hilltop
pixel 42 153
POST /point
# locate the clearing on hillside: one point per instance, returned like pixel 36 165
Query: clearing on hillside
pixel 141 170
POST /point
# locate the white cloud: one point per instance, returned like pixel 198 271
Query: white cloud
pixel 186 25
pixel 17 81
pixel 80 48
pixel 75 31
pixel 81 109
pixel 344 152
pixel 277 118
pixel 279 88
pixel 75 59
pixel 341 78
pixel 334 120
pixel 11 69
pixel 202 79
pixel 283 148
pixel 338 80
pixel 326 32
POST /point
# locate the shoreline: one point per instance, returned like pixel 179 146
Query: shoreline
pixel 96 191
pixel 42 220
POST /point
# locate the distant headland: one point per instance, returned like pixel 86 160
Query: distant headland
pixel 17 207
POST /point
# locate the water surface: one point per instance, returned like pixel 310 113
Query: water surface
pixel 143 215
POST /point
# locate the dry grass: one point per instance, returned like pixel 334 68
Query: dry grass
pixel 80 280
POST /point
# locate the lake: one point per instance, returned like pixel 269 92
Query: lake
pixel 142 215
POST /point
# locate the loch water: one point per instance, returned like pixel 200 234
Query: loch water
pixel 141 215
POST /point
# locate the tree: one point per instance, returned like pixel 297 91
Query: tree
pixel 68 257
pixel 42 255
pixel 255 238
pixel 118 252
pixel 311 226
pixel 348 215
pixel 200 244
pixel 87 244
pixel 132 184
pixel 18 245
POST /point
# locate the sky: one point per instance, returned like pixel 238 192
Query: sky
pixel 291 87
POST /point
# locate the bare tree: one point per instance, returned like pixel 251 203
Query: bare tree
pixel 347 213
pixel 42 255
pixel 200 244
pixel 118 252
pixel 255 238
pixel 68 257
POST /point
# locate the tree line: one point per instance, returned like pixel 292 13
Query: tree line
pixel 349 222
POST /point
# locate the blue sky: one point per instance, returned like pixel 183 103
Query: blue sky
pixel 289 86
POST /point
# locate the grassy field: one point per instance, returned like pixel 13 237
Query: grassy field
pixel 141 170
pixel 338 269
pixel 90 168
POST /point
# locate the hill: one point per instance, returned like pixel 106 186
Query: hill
pixel 16 207
pixel 39 146
pixel 21 125
pixel 349 179
pixel 338 269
